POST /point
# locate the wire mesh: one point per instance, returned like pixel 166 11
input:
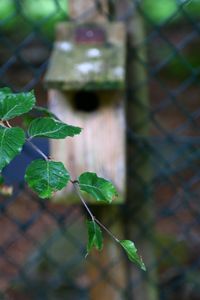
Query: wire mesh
pixel 42 245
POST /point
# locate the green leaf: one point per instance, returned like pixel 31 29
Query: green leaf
pixel 51 128
pixel 11 143
pixel 95 238
pixel 13 105
pixel 131 251
pixel 26 120
pixel 46 177
pixel 100 188
pixel 4 91
pixel 1 180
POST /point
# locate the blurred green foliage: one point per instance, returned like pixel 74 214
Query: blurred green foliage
pixel 48 12
pixel 159 11
pixel 28 15
pixel 20 17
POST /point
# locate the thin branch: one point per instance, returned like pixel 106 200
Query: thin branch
pixel 37 150
pixel 77 190
pixel 107 230
pixel 8 124
pixel 28 139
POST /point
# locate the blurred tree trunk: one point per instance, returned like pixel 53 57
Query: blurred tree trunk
pixel 140 206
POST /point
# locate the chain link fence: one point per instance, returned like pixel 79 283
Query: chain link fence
pixel 42 245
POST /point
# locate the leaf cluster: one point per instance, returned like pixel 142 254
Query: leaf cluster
pixel 45 176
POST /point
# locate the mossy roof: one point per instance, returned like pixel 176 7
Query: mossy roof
pixel 87 65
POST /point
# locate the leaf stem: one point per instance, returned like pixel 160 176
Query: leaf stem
pixel 77 190
pixel 107 230
pixel 8 124
pixel 37 150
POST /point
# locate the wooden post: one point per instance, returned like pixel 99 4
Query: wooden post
pixel 78 8
pixel 106 270
pixel 139 195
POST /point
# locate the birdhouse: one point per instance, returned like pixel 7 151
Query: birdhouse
pixel 85 82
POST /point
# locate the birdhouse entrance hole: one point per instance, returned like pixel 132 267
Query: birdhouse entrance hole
pixel 86 101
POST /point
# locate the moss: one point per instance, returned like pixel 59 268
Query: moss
pixel 73 69
pixel 83 61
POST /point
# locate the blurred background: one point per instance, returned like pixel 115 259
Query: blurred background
pixel 42 244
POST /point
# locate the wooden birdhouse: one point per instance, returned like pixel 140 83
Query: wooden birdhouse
pixel 85 82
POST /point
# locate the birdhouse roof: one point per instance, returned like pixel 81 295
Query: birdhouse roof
pixel 87 56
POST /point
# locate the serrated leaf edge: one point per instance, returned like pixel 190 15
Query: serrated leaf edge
pixel 138 260
pixel 52 131
pixel 16 105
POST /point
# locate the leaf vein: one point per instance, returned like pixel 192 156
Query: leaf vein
pixel 47 132
pixel 8 112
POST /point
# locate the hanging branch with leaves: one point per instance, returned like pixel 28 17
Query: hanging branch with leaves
pixel 46 176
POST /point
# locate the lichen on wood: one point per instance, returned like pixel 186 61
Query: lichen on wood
pixel 97 65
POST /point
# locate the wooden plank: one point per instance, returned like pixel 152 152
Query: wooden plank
pixel 100 147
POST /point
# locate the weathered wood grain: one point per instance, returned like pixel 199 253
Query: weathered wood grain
pixel 100 147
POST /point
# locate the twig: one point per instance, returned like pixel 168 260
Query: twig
pixel 37 150
pixel 77 190
pixel 8 124
pixel 107 230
